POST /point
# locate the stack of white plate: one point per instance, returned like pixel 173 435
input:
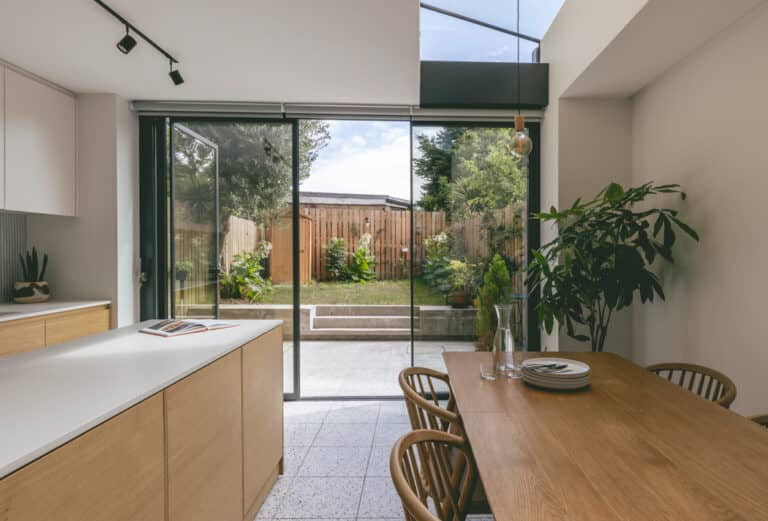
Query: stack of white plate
pixel 556 373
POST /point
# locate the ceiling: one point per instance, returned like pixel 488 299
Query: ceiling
pixel 660 35
pixel 335 51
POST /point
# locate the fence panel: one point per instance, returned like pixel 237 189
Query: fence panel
pixel 390 237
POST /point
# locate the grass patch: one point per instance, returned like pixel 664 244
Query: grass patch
pixel 384 292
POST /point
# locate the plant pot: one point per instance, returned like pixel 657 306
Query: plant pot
pixel 459 299
pixel 31 292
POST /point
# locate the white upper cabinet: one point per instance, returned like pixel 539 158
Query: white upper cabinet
pixel 40 147
pixel 2 137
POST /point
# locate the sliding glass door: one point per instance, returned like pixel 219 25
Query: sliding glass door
pixel 471 231
pixel 371 240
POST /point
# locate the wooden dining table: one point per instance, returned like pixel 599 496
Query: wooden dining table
pixel 631 446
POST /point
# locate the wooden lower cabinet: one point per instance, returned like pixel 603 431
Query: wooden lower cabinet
pixel 76 324
pixel 262 417
pixel 27 334
pixel 205 444
pixel 208 447
pixel 115 472
pixel 19 336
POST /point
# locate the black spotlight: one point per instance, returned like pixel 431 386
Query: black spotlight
pixel 175 75
pixel 126 43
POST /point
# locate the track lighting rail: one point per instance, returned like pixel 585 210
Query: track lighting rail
pixel 137 31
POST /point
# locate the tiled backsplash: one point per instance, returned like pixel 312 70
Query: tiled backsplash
pixel 13 241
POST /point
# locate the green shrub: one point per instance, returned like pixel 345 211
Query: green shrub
pixel 245 279
pixel 496 289
pixel 362 265
pixel 336 259
pixel 437 262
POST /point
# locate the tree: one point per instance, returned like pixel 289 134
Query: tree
pixel 496 289
pixel 488 177
pixel 433 166
pixel 255 172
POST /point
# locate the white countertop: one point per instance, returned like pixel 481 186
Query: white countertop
pixel 52 395
pixel 13 311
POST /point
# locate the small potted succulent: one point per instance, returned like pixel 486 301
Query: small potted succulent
pixel 460 279
pixel 34 288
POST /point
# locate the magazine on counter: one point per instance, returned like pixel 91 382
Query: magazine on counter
pixel 170 328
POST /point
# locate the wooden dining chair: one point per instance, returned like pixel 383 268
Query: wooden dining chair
pixel 707 383
pixel 421 388
pixel 429 469
pixel 761 419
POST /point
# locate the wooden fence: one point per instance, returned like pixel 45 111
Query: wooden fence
pixel 390 238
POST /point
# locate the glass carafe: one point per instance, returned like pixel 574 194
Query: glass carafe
pixel 504 343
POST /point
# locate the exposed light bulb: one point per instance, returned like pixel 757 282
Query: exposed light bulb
pixel 522 145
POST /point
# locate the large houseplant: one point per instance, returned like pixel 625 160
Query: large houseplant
pixel 602 258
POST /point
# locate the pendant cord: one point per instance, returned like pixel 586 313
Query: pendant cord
pixel 518 57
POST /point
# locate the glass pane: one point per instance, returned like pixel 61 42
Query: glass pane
pixel 195 236
pixel 470 198
pixel 254 223
pixel 448 39
pixel 355 221
pixel 535 15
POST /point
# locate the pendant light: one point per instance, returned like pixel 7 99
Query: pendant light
pixel 522 145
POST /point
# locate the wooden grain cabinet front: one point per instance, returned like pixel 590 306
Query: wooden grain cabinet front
pixel 114 472
pixel 18 336
pixel 204 443
pixel 262 416
pixel 76 324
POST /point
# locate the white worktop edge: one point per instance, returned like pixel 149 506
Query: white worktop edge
pixel 22 311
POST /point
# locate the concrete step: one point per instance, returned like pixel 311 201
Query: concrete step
pixel 357 334
pixel 362 322
pixel 344 310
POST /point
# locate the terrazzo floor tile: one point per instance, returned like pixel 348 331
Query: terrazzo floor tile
pixel 378 465
pixel 272 503
pixel 298 434
pixel 293 456
pixel 354 412
pixel 393 412
pixel 306 412
pixel 388 433
pixel 380 499
pixel 345 435
pixel 335 461
pixel 321 498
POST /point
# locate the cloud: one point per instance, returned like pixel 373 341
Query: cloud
pixel 381 169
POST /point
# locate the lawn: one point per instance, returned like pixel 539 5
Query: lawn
pixel 375 292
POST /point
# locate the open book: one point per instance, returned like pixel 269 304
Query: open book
pixel 185 327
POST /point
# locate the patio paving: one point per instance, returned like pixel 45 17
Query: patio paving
pixel 361 368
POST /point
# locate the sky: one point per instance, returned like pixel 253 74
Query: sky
pixel 373 157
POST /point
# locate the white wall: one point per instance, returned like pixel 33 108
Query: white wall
pixel 91 255
pixel 595 148
pixel 575 39
pixel 703 124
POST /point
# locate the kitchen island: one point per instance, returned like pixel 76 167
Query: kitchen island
pixel 124 425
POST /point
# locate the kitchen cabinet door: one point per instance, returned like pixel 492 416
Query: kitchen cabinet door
pixel 262 416
pixel 40 147
pixel 114 472
pixel 204 434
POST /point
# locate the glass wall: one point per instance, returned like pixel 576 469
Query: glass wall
pixel 403 238
pixel 231 189
pixel 466 180
pixel 355 293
